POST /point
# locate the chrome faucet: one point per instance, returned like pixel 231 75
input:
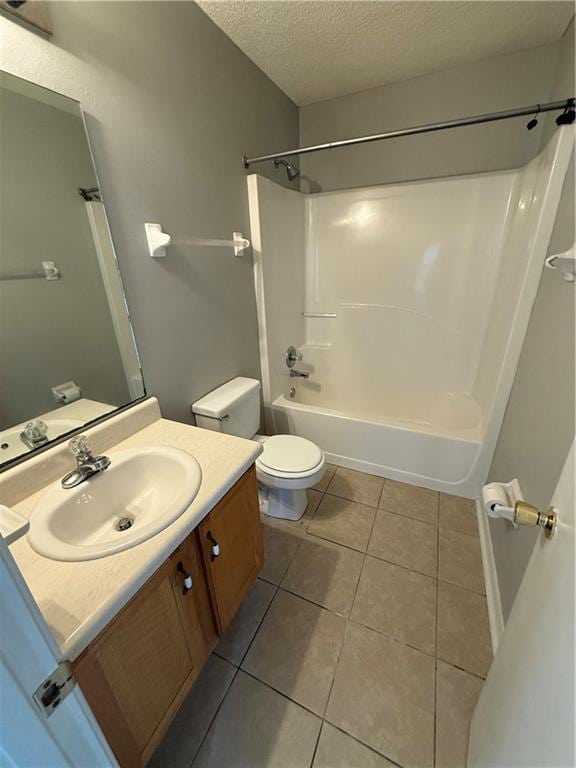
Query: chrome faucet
pixel 294 374
pixel 34 434
pixel 87 464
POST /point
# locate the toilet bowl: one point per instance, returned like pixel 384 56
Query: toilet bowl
pixel 288 464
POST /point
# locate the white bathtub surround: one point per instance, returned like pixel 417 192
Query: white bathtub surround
pixel 409 303
pixel 277 229
pixel 386 448
pixel 78 599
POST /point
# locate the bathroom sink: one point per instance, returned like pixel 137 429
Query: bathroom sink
pixel 142 492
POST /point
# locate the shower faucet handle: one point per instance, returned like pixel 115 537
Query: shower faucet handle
pixel 293 356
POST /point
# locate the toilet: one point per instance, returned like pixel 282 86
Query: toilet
pixel 287 466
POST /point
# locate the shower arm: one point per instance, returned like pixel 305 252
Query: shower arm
pixel 564 105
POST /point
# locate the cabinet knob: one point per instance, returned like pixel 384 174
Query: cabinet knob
pixel 215 546
pixel 187 582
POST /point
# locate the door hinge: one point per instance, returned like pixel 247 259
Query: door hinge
pixel 55 688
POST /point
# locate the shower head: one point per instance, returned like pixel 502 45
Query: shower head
pixel 291 170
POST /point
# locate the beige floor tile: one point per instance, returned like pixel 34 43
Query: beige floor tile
pixel 458 513
pixel 345 522
pixel 398 602
pixel 182 740
pixel 405 541
pixel 456 696
pixel 296 650
pixel 325 573
pixel 329 470
pixel 338 750
pixel 460 560
pixel 383 695
pixel 463 629
pixel 314 498
pixel 280 547
pixel 410 500
pixel 256 727
pixel 234 644
pixel 356 486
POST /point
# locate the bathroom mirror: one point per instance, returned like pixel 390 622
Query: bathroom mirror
pixel 67 350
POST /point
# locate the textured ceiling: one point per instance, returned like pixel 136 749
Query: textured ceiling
pixel 320 49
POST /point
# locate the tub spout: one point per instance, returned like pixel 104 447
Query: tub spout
pixel 294 374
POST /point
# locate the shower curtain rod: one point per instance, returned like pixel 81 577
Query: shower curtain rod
pixel 489 117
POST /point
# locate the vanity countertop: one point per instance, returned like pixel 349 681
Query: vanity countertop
pixel 78 599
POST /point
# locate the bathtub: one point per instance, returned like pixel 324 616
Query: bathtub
pixel 419 454
pixel 409 303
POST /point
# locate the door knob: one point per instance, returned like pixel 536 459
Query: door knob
pixel 523 513
pixel 527 514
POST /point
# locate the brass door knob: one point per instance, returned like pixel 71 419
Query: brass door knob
pixel 527 514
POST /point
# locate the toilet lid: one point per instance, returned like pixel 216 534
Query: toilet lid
pixel 288 453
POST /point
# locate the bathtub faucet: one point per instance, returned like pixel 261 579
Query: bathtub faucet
pixel 294 374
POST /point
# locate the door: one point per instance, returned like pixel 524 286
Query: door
pixel 525 715
pixel 28 656
pixel 231 539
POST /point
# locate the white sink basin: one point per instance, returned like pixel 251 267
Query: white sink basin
pixel 147 487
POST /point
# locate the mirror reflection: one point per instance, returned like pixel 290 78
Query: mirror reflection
pixel 67 351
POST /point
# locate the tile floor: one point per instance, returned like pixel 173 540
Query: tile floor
pixel 363 644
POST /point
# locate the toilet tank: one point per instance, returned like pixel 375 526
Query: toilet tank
pixel 233 408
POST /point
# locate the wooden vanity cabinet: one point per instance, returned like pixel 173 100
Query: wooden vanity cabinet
pixel 137 672
pixel 231 539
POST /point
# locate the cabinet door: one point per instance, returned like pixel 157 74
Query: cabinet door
pixel 231 538
pixel 197 606
pixel 137 672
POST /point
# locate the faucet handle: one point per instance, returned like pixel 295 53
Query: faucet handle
pixel 80 446
pixel 292 356
pixel 36 429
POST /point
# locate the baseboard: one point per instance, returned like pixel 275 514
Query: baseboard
pixel 495 614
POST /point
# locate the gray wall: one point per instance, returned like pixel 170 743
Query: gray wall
pixel 525 77
pixel 538 426
pixel 172 107
pixel 51 332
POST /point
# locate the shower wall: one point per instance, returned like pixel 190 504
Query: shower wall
pixel 397 284
pixel 277 234
pixel 409 270
pixel 530 222
pixel 409 303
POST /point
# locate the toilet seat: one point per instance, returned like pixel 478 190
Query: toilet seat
pixel 290 457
